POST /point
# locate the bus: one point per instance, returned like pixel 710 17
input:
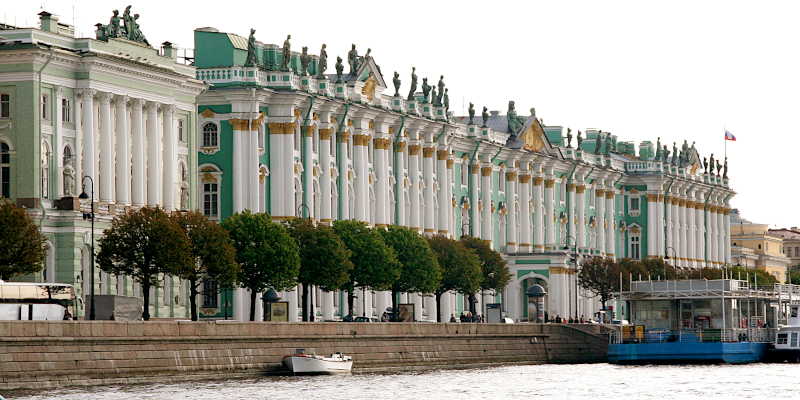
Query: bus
pixel 36 301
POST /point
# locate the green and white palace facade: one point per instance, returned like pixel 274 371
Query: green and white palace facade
pixel 240 128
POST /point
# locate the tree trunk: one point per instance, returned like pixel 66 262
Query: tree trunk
pixel 146 297
pixel 439 307
pixel 472 302
pixel 603 305
pixel 350 301
pixel 193 298
pixel 395 308
pixel 253 295
pixel 305 302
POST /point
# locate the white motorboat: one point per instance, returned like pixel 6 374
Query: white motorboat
pixel 787 339
pixel 302 363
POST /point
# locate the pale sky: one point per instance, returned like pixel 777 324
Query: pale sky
pixel 639 69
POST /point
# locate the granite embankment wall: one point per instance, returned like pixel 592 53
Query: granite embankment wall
pixel 39 354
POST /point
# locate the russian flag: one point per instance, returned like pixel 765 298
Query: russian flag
pixel 729 136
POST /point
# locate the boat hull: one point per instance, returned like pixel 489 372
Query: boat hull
pixel 677 352
pixel 311 365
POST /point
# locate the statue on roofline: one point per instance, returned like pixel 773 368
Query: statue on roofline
pixel 352 59
pixel 719 168
pixel 569 138
pixel 252 60
pixel 323 61
pixel 426 89
pixel 287 54
pixel 339 69
pixel 579 139
pixel 127 23
pixel 711 164
pixel 725 169
pixel 485 116
pixel 305 59
pixel 441 90
pixel 471 111
pixel 396 81
pixel 515 123
pixel 413 88
pixel 113 29
pixel 665 154
pixel 705 165
pixel 446 99
pixel 433 96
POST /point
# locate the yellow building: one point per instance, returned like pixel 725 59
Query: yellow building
pixel 791 243
pixel 755 246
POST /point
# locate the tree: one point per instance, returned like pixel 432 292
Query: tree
pixel 142 244
pixel 375 264
pixel 419 270
pixel 212 254
pixel 601 276
pixel 493 267
pixel 266 253
pixel 460 266
pixel 324 259
pixel 794 277
pixel 22 245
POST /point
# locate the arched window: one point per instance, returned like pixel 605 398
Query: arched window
pixel 5 170
pixel 211 182
pixel 210 135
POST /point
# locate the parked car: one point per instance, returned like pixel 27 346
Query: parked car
pixel 365 319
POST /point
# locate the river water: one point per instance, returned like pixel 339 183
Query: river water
pixel 583 381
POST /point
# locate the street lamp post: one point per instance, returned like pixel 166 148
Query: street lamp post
pixel 674 256
pixel 573 252
pixel 90 215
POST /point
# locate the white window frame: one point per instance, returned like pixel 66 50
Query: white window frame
pixel 638 210
pixel 66 110
pixel 637 243
pixel 203 135
pixel 45 104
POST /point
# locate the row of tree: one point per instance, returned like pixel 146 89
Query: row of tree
pixel 604 277
pixel 251 251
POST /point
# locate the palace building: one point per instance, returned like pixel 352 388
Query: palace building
pixel 294 134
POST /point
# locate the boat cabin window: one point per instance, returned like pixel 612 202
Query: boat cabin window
pixel 782 338
pixel 794 339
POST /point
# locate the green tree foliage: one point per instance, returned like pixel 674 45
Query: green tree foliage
pixel 212 253
pixel 493 267
pixel 143 244
pixel 419 271
pixel 601 276
pixel 375 264
pixel 266 253
pixel 460 266
pixel 22 245
pixel 324 259
pixel 794 277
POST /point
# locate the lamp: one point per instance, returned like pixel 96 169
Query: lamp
pixel 90 215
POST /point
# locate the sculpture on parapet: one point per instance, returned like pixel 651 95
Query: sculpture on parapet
pixel 446 100
pixel 598 143
pixel 287 53
pixel 413 88
pixel 674 153
pixel 352 59
pixel 396 81
pixel 305 59
pixel 485 116
pixel 569 138
pixel 252 60
pixel 711 164
pixel 426 89
pixel 128 29
pixel 471 112
pixel 127 23
pixel 323 62
pixel 725 169
pixel 339 69
pixel 441 89
pixel 719 168
pixel 665 154
pixel 705 165
pixel 579 140
pixel 434 96
pixel 658 149
pixel 113 29
pixel 515 123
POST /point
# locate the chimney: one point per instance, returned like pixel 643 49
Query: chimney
pixel 494 113
pixel 48 22
pixel 167 50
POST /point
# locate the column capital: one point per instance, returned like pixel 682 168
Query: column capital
pixel 105 97
pixel 84 92
pixel 121 98
pixel 168 108
pixel 151 105
pixel 137 102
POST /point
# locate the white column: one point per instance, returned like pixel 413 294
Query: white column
pixel 727 235
pixel 676 229
pixel 446 304
pixel 571 219
pixel 89 154
pixel 239 173
pixel 684 248
pixel 342 160
pixel 153 151
pixel 486 191
pixel 138 152
pixel 383 300
pixel 691 248
pixel 538 215
pixel 427 168
pixel 360 161
pixel 430 308
pixel 444 200
pixel 399 176
pixel 58 142
pixel 701 230
pixel 600 212
pixel 324 154
pixel 512 297
pixel 291 297
pixel 652 225
pixel 721 234
pixel 169 157
pixel 511 200
pixel 416 299
pixel 580 194
pixel 660 225
pixel 106 185
pixel 414 152
pixel 327 305
pixel 382 210
pixel 253 166
pixel 525 245
pixel 670 244
pixel 123 161
pixel 78 149
pixel 308 169
pixel 611 218
pixel 549 220
pixel 711 227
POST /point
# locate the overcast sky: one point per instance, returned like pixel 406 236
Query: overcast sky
pixel 639 69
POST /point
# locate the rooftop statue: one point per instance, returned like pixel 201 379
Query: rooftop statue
pixel 323 61
pixel 725 169
pixel 441 89
pixel 658 149
pixel 396 81
pixel 569 138
pixel 113 29
pixel 413 84
pixel 127 23
pixel 485 116
pixel 434 96
pixel 711 164
pixel 305 59
pixel 665 154
pixel 352 59
pixel 579 139
pixel 252 60
pixel 339 69
pixel 515 123
pixel 674 153
pixel 367 56
pixel 426 89
pixel 471 111
pixel 446 98
pixel 138 36
pixel 287 53
pixel 719 168
pixel 128 29
pixel 598 143
pixel 705 165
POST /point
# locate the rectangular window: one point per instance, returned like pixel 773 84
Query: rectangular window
pixel 210 294
pixel 210 199
pixel 181 138
pixel 634 204
pixel 66 110
pixel 794 339
pixel 45 108
pixel 5 105
pixel 635 253
pixel 5 181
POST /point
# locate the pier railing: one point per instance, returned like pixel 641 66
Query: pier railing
pixel 637 334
